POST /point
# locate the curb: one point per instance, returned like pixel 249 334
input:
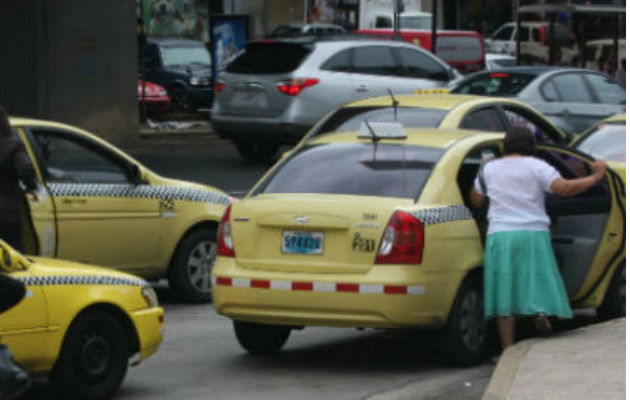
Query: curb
pixel 506 370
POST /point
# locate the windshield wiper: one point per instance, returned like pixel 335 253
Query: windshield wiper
pixel 394 104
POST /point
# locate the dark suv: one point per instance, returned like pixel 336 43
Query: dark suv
pixel 183 67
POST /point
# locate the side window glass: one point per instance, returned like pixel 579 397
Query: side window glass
pixel 535 34
pixel 571 88
pixel 383 22
pixel 549 91
pixel 518 117
pixel 504 34
pixel 418 65
pixel 65 159
pixel 487 119
pixel 524 34
pixel 340 62
pixel 375 60
pixel 606 88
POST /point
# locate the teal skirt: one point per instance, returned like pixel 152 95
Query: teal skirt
pixel 521 276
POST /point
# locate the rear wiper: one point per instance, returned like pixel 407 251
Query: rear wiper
pixel 394 104
pixel 375 139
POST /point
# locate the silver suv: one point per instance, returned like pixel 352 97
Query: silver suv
pixel 275 90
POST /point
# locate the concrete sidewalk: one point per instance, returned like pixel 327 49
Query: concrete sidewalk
pixel 582 364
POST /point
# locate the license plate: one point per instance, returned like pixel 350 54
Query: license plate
pixel 302 242
pixel 249 98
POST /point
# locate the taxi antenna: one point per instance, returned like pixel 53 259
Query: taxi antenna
pixel 394 104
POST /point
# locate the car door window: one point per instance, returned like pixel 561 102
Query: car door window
pixel 374 60
pixel 549 91
pixel 415 64
pixel 572 88
pixel 524 34
pixel 67 159
pixel 486 119
pixel 504 33
pixel 339 62
pixel 606 89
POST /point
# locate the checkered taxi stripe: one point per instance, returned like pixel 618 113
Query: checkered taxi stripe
pixel 327 287
pixel 137 191
pixel 440 215
pixel 80 280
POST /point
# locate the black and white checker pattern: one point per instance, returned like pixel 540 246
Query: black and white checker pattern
pixel 80 280
pixel 440 215
pixel 137 191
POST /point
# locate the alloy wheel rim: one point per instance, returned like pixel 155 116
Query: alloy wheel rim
pixel 199 266
pixel 471 320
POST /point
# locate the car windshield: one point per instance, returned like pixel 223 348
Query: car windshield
pixel 415 22
pixel 607 142
pixel 185 55
pixel 364 169
pixel 504 62
pixel 350 118
pixel 494 84
pixel 269 57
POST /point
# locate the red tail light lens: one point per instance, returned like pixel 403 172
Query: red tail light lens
pixel 403 240
pixel 225 245
pixel 219 86
pixel 293 87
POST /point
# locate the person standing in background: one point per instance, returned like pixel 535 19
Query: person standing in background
pixel 15 167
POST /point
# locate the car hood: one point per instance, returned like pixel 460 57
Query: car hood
pixel 43 267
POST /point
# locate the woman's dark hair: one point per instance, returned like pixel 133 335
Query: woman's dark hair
pixel 5 129
pixel 519 140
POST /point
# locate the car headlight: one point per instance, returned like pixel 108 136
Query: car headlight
pixel 199 81
pixel 150 297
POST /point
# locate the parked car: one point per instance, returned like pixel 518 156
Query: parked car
pixel 463 50
pixel 373 229
pixel 439 110
pixel 275 90
pixel 315 29
pixel 407 20
pixel 154 97
pixel 79 325
pixel 498 61
pixel 606 140
pixel 183 67
pixel 573 98
pixel 98 205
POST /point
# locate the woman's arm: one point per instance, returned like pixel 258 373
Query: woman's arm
pixel 476 199
pixel 573 187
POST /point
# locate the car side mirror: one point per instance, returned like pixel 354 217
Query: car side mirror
pixel 10 259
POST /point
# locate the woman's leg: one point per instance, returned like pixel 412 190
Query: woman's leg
pixel 506 330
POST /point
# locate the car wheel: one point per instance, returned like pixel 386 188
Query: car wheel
pixel 189 274
pixel 179 100
pixel 261 338
pixel 465 338
pixel 256 152
pixel 614 304
pixel 94 358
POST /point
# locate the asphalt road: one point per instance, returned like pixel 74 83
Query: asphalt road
pixel 201 359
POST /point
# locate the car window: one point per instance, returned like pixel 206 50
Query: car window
pixel 549 91
pixel 494 84
pixel 606 89
pixel 387 170
pixel 535 34
pixel 185 55
pixel 340 62
pixel 65 158
pixel 383 22
pixel 607 141
pixel 571 88
pixel 542 131
pixel 524 34
pixel 269 57
pixel 351 118
pixel 415 64
pixel 374 60
pixel 504 33
pixel 487 119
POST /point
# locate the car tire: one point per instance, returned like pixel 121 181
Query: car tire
pixel 614 304
pixel 94 358
pixel 255 152
pixel 179 100
pixel 261 339
pixel 189 273
pixel 464 341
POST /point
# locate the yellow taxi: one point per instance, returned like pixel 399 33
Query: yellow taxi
pixel 98 205
pixel 440 110
pixel 79 325
pixel 606 140
pixel 372 228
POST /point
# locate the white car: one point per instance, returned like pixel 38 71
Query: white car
pixel 497 61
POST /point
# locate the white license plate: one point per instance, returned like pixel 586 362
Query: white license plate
pixel 249 98
pixel 302 242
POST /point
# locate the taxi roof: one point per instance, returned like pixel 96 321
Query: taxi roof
pixel 444 101
pixel 616 118
pixel 431 137
pixel 21 121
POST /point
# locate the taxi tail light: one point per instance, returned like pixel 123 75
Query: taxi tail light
pixel 403 240
pixel 293 87
pixel 225 245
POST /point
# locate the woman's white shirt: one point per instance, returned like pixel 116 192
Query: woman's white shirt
pixel 516 189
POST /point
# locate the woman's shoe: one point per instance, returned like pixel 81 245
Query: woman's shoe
pixel 543 326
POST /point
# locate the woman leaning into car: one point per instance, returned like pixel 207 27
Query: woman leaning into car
pixel 521 277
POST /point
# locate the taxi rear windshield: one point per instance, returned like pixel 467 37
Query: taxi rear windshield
pixel 350 118
pixel 495 84
pixel 363 169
